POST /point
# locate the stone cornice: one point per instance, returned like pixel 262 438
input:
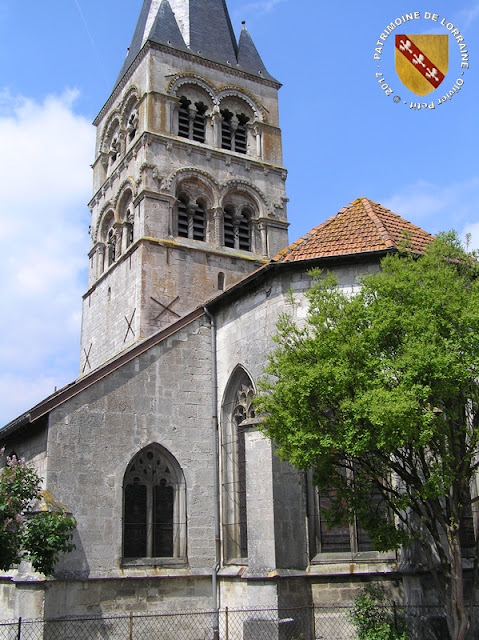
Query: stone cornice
pixel 185 55
pixel 178 243
pixel 196 147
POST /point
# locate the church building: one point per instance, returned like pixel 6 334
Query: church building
pixel 181 502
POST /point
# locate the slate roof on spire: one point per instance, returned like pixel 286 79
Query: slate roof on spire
pixel 209 34
pixel 165 28
pixel 363 226
pixel 248 56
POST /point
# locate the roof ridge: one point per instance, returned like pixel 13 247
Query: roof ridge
pixel 383 232
pixel 361 227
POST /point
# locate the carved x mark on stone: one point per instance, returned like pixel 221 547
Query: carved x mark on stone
pixel 166 307
pixel 130 328
pixel 87 358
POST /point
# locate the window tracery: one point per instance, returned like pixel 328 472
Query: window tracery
pixel 154 506
pixel 237 412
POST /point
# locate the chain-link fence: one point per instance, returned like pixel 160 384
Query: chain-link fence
pixel 309 623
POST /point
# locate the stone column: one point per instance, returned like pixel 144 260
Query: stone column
pixel 100 259
pixel 254 232
pixel 192 115
pixel 264 238
pixel 124 237
pixel 217 216
pixel 236 223
pixel 191 210
pixel 118 227
pixel 216 125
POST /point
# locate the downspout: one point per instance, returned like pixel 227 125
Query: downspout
pixel 216 485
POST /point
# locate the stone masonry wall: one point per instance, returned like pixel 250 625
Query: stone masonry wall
pixel 162 396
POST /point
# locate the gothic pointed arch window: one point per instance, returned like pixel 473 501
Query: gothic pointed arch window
pixel 154 514
pixel 237 413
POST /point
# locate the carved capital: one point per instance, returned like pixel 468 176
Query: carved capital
pixel 217 212
pixel 191 208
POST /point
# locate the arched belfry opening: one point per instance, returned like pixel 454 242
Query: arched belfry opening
pixel 189 171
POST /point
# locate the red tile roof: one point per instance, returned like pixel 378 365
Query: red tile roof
pixel 363 226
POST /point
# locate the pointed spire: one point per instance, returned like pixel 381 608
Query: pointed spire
pixel 211 33
pixel 137 40
pixel 202 27
pixel 248 56
pixel 165 28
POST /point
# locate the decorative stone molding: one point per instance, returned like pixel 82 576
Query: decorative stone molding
pixel 243 95
pixel 128 183
pixel 108 206
pixel 188 172
pixel 111 125
pixel 244 409
pixel 250 188
pixel 191 79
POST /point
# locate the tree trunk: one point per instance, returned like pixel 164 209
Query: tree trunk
pixel 457 617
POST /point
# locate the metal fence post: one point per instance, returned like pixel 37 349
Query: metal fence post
pixel 131 625
pixel 227 632
pixel 313 621
pixel 19 632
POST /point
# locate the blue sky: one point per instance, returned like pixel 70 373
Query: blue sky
pixel 343 138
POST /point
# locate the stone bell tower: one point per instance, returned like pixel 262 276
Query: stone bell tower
pixel 188 181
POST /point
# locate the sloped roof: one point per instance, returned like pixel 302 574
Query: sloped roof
pixel 248 56
pixel 202 27
pixel 363 226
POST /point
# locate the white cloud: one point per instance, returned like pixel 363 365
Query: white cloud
pixel 440 207
pixel 44 163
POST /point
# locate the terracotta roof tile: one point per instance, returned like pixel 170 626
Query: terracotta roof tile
pixel 363 226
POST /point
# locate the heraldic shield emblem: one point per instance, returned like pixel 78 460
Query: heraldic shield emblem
pixel 422 61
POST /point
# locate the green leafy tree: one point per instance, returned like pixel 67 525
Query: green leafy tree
pixel 375 618
pixel 37 536
pixel 378 393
